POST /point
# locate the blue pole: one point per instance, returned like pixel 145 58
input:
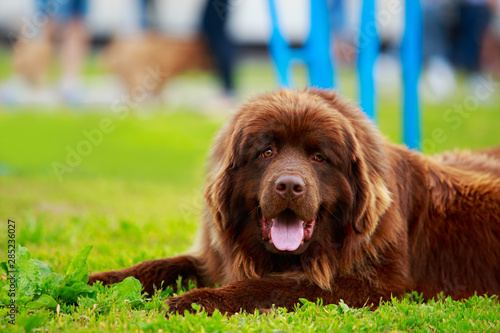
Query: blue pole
pixel 411 57
pixel 317 49
pixel 316 52
pixel 279 49
pixel 368 49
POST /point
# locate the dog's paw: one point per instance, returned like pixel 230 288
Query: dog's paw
pixel 106 278
pixel 207 299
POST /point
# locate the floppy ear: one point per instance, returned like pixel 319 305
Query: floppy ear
pixel 371 197
pixel 218 186
pixel 366 166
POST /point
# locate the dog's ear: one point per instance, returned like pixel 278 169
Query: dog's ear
pixel 371 197
pixel 218 188
pixel 366 163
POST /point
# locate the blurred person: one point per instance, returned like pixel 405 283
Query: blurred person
pixel 62 21
pixel 473 19
pixel 141 52
pixel 438 77
pixel 214 24
pixel 68 22
pixel 342 31
pixel 145 59
pixel 490 53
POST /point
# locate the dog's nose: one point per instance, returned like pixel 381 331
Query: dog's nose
pixel 289 186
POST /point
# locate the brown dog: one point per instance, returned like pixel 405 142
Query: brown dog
pixel 305 199
pixel 135 58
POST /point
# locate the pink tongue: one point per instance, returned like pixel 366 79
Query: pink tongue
pixel 287 232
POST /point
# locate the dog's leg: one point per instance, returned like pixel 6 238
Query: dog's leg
pixel 153 273
pixel 263 294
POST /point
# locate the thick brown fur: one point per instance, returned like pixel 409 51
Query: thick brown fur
pixel 387 219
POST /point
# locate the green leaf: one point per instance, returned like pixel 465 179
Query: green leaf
pixel 20 300
pixel 196 307
pixel 28 275
pixel 345 308
pixel 45 301
pixel 43 268
pixel 78 269
pixel 52 284
pixel 3 268
pixel 304 301
pixel 129 290
pixel 70 293
pixel 4 297
pixel 32 321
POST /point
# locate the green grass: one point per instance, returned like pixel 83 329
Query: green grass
pixel 137 196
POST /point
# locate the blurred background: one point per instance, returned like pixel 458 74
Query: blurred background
pixel 87 52
pixel 108 107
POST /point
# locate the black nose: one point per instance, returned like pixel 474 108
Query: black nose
pixel 289 186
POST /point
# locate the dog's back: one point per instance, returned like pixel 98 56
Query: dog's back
pixel 487 161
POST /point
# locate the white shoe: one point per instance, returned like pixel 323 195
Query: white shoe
pixel 439 80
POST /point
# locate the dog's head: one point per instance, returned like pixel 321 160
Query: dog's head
pixel 293 168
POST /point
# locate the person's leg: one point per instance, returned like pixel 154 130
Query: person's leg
pixel 31 55
pixel 74 47
pixel 225 63
pixel 214 22
pixel 435 42
pixel 474 20
pixel 481 22
pixel 438 76
pixel 45 8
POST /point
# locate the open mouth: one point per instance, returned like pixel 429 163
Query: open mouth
pixel 287 232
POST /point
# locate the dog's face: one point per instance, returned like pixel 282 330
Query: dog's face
pixel 291 172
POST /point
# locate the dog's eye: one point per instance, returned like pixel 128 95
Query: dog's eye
pixel 318 158
pixel 267 153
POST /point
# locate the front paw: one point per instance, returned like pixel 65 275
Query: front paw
pixel 208 299
pixel 106 278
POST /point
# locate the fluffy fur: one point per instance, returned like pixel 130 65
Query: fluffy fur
pixel 379 219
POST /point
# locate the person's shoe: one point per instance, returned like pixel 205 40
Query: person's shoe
pixel 439 80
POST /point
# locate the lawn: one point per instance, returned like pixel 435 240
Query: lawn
pixel 136 196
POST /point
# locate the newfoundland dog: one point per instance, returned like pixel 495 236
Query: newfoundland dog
pixel 306 199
